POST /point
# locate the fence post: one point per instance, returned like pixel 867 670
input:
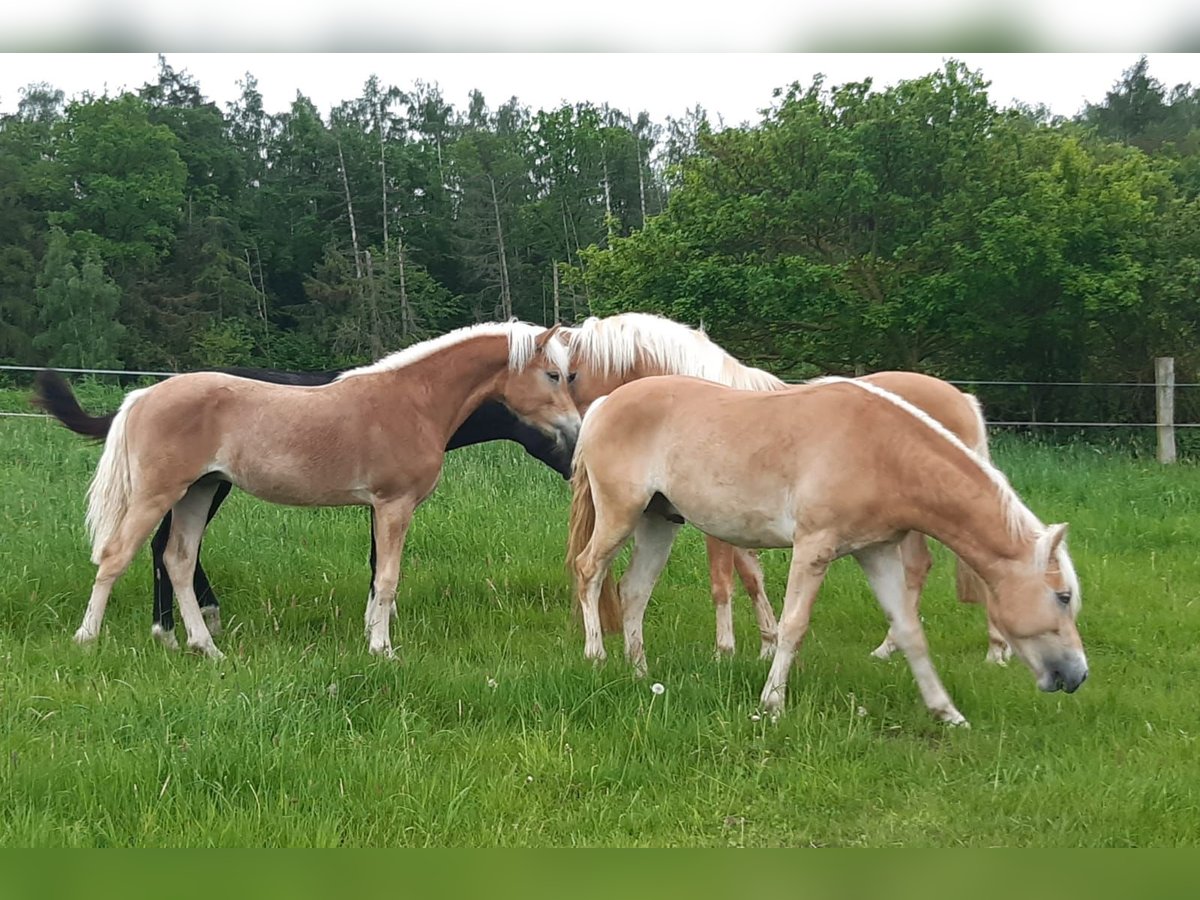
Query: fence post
pixel 1164 382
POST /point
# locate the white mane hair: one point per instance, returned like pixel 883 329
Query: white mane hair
pixel 1018 517
pixel 522 338
pixel 612 346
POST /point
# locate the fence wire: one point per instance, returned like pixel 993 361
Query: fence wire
pixel 1006 423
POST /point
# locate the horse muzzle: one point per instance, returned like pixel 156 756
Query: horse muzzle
pixel 1065 676
pixel 567 434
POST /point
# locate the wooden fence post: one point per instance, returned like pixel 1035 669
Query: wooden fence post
pixel 1164 381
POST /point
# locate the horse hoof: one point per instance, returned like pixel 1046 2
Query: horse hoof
pixel 724 651
pixel 212 618
pixel 83 637
pixel 767 651
pixel 953 718
pixel 207 648
pixel 164 637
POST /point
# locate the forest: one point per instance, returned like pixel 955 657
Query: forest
pixel 852 228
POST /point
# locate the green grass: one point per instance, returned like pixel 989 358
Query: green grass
pixel 300 737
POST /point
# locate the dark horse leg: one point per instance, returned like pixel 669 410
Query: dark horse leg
pixel 164 596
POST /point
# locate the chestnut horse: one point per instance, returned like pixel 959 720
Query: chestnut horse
pixel 609 352
pixel 830 469
pixel 492 421
pixel 376 437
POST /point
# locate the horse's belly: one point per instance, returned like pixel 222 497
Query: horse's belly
pixel 745 527
pixel 289 490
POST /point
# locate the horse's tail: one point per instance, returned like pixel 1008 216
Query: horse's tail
pixel 580 527
pixel 52 393
pixel 108 494
pixel 970 587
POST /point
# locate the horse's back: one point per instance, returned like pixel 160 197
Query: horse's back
pixel 953 409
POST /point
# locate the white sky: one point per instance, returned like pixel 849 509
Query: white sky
pixel 733 85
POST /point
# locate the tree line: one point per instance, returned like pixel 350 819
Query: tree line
pixel 852 228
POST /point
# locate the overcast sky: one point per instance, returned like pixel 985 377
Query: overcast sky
pixel 732 85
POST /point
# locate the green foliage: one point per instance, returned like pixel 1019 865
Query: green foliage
pixel 122 181
pixel 227 343
pixel 851 228
pixel 77 307
pixel 916 227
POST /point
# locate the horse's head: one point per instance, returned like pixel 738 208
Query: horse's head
pixel 539 392
pixel 1035 606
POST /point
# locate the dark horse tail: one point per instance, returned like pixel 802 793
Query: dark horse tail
pixel 52 393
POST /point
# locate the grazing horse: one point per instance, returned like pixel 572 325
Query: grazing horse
pixel 830 469
pixel 492 421
pixel 375 436
pixel 609 352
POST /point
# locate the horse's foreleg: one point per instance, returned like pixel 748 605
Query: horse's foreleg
pixel 810 558
pixel 750 572
pixel 999 651
pixel 390 523
pixel 188 520
pixel 720 576
pixel 885 570
pixel 914 552
pixel 652 540
pixel 374 558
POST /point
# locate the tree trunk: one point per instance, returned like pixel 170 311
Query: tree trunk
pixel 383 183
pixel 406 316
pixel 505 294
pixel 557 315
pixel 375 330
pixel 350 212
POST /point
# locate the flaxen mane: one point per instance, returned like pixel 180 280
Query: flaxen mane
pixel 522 338
pixel 615 345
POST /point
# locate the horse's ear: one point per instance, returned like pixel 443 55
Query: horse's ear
pixel 540 343
pixel 1053 536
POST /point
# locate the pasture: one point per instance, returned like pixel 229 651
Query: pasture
pixel 490 729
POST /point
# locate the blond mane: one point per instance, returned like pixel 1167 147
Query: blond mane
pixel 614 345
pixel 522 339
pixel 1019 518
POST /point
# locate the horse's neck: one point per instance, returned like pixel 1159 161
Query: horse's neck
pixel 963 508
pixel 454 382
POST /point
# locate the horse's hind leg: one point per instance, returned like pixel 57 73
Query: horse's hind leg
pixel 914 552
pixel 115 557
pixel 614 524
pixel 210 607
pixel 720 576
pixel 885 570
pixel 652 540
pixel 189 517
pixel 163 626
pixel 750 572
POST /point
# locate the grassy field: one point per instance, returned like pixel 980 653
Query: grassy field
pixel 491 729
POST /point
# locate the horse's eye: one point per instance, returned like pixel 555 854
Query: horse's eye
pixel 571 377
pixel 553 376
pixel 1064 597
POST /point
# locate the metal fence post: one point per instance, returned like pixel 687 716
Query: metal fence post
pixel 1164 381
